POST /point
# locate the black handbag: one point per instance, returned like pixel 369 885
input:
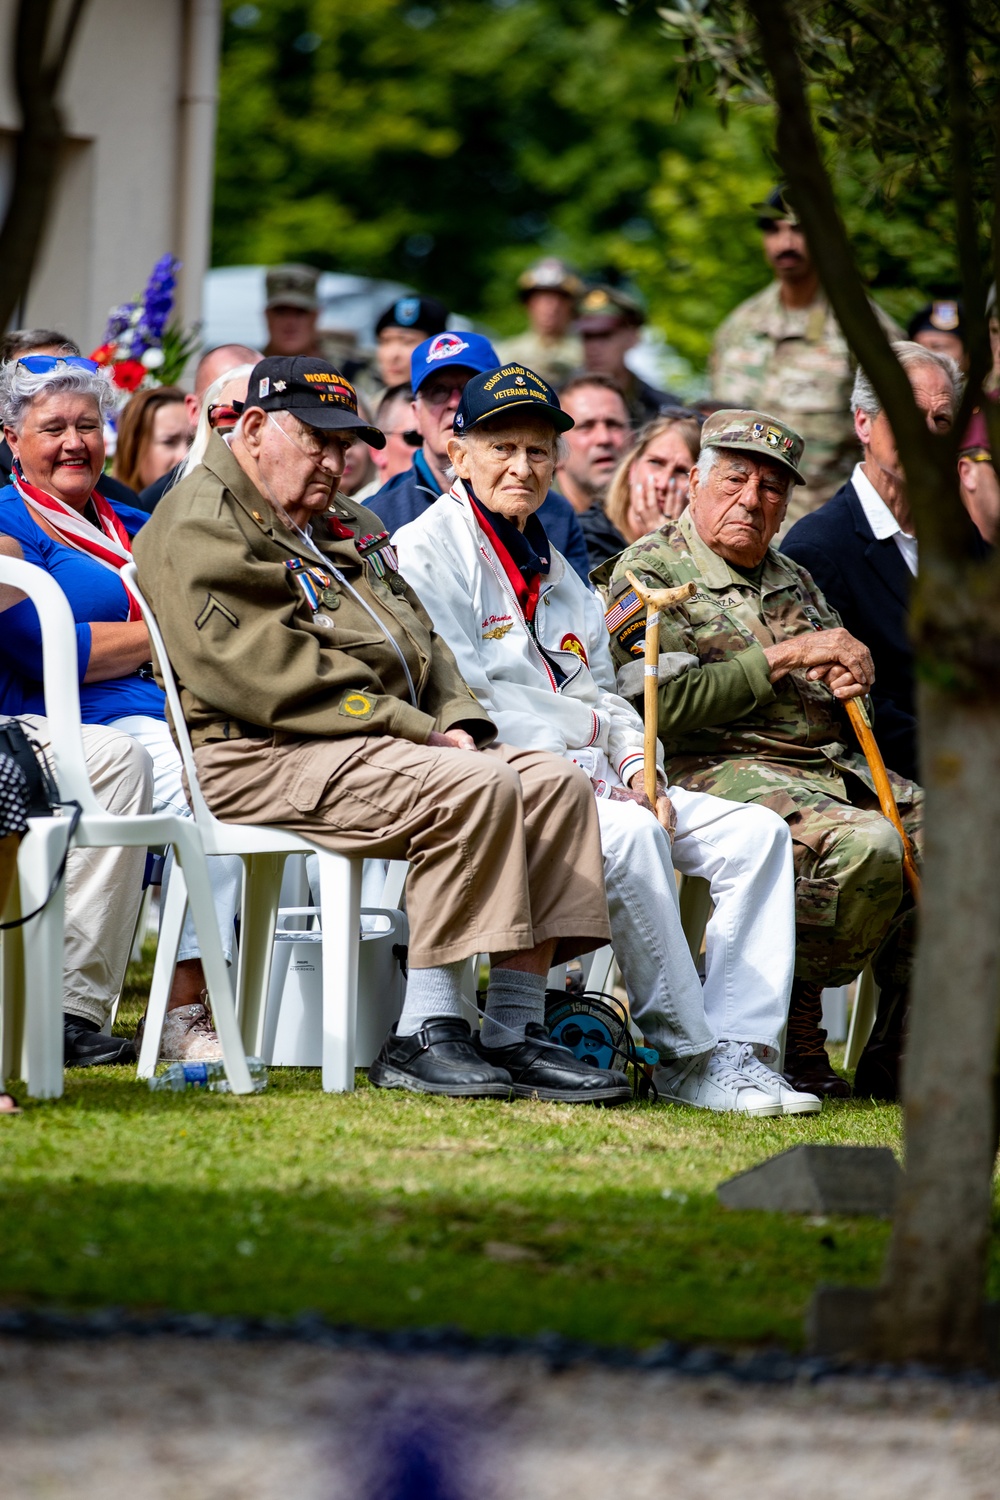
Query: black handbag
pixel 43 794
pixel 43 797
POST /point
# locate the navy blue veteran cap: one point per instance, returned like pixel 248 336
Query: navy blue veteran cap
pixel 510 389
pixel 426 314
pixel 312 390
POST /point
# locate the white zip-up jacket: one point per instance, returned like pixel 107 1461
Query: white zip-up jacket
pixel 447 557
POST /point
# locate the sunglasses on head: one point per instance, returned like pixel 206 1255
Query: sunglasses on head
pixel 223 414
pixel 43 364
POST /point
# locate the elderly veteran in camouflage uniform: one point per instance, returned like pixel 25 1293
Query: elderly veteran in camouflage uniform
pixel 319 699
pixel 782 350
pixel 758 666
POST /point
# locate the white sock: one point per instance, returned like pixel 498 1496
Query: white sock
pixel 431 993
pixel 513 1001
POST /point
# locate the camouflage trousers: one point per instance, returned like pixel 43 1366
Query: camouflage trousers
pixel 852 904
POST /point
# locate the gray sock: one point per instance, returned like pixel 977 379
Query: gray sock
pixel 514 999
pixel 431 992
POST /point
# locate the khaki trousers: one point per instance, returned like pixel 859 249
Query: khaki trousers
pixel 504 845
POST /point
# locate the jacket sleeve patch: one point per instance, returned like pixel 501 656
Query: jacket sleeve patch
pixel 628 605
pixel 633 637
pixel 357 706
pixel 215 606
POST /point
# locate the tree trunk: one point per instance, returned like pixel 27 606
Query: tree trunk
pixel 39 61
pixel 931 1301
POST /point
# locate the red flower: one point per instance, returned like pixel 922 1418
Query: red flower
pixel 104 355
pixel 128 375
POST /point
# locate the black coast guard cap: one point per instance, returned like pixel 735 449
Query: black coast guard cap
pixel 312 390
pixel 511 389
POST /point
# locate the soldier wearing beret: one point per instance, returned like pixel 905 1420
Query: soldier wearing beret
pixel 319 699
pixel 782 351
pixel 941 327
pixel 755 714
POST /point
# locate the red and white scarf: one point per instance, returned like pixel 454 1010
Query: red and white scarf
pixel 109 545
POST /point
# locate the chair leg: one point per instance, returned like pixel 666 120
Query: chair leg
pixel 340 905
pixel 598 977
pixel 696 907
pixel 862 1016
pixel 174 907
pixel 261 894
pixel 12 993
pixel 190 856
pixel 38 859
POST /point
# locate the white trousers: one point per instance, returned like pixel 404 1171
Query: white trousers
pixel 745 853
pixel 225 871
pixel 103 886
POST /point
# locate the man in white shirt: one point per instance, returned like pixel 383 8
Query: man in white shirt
pixel 861 547
pixel 530 641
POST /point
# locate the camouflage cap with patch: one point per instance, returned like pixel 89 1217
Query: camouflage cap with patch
pixel 755 432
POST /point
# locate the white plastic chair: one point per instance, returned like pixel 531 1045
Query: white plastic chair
pixel 32 1004
pixel 263 849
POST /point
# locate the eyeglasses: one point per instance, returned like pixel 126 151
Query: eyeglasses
pixel 316 445
pixel 44 364
pixel 222 414
pixel 437 395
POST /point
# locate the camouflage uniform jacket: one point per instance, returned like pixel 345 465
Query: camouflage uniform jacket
pixel 794 363
pixel 721 718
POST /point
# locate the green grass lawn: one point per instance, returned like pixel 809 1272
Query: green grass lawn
pixel 390 1211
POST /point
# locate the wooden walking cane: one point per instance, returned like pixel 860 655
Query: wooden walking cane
pixel 883 786
pixel 654 600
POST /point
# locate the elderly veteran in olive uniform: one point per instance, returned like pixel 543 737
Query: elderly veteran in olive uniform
pixel 754 714
pixel 319 699
pixel 529 638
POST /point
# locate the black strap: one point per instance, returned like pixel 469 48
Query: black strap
pixel 74 823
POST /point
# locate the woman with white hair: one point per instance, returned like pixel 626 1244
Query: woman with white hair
pixel 53 409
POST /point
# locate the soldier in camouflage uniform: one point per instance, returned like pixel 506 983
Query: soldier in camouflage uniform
pixel 782 351
pixel 550 292
pixel 756 669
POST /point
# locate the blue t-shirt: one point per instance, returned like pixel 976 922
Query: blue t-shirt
pixel 94 593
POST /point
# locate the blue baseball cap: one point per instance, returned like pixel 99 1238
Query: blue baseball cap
pixel 454 350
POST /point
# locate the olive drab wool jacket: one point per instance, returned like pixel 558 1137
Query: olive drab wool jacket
pixel 262 634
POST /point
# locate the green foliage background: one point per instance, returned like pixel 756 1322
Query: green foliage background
pixel 449 143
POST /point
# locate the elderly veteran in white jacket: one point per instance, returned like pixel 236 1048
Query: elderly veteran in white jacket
pixel 530 640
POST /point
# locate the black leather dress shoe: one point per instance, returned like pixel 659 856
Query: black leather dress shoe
pixel 541 1069
pixel 86 1046
pixel 438 1059
pixel 877 1076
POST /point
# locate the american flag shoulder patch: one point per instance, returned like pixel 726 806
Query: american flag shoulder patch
pixel 628 605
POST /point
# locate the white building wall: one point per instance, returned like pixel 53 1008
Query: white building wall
pixel 120 199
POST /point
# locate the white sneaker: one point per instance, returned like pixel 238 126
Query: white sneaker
pixel 793 1102
pixel 713 1083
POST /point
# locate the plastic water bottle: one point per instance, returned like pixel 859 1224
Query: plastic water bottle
pixel 178 1076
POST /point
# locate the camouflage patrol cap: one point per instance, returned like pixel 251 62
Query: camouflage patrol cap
pixel 755 432
pixel 292 286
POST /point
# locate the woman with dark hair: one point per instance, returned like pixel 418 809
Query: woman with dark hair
pixel 154 435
